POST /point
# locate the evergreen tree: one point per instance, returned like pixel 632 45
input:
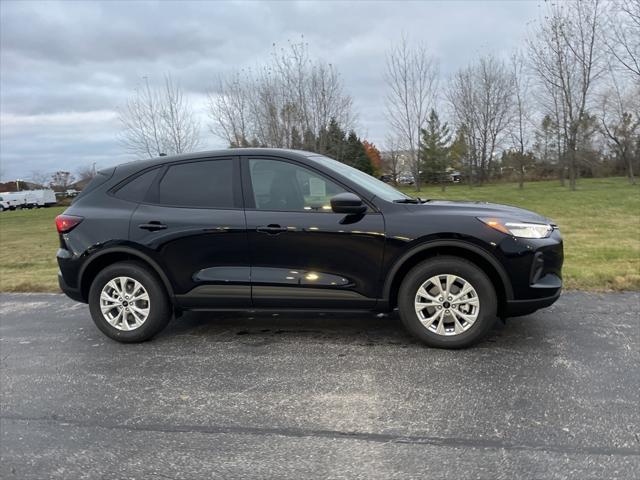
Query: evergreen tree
pixel 296 141
pixel 435 149
pixel 356 154
pixel 309 141
pixel 336 141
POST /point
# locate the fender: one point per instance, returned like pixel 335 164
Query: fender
pixel 486 255
pixel 134 253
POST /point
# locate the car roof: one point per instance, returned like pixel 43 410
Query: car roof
pixel 221 153
pixel 128 168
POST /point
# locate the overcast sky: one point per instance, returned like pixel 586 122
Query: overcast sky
pixel 66 67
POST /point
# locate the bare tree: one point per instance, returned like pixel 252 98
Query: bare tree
pixel 289 97
pixel 566 57
pixel 481 99
pixel 61 180
pixel 38 177
pixel 391 157
pixel 520 126
pixel 622 34
pixel 412 79
pixel 87 173
pixel 159 121
pixel 620 122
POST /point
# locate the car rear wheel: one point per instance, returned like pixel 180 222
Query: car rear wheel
pixel 447 302
pixel 128 302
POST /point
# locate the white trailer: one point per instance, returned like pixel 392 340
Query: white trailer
pixel 41 198
pixel 27 199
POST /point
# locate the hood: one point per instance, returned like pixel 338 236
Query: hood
pixel 483 209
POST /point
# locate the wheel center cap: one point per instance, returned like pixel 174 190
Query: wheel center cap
pixel 446 304
pixel 125 303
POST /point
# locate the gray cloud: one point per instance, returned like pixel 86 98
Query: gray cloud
pixel 62 60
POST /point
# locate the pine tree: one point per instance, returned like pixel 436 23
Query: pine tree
pixel 356 155
pixel 336 141
pixel 309 141
pixel 435 149
pixel 296 141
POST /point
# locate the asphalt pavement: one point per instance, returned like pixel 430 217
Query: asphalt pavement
pixel 554 395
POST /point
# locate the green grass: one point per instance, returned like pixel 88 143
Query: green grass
pixel 28 244
pixel 600 223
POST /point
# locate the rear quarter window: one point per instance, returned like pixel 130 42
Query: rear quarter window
pixel 101 177
pixel 136 188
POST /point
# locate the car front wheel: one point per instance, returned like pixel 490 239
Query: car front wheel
pixel 447 302
pixel 128 302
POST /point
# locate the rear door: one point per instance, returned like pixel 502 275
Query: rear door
pixel 302 253
pixel 192 222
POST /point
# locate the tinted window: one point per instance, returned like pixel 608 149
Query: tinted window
pixel 375 186
pixel 284 186
pixel 101 177
pixel 206 184
pixel 136 189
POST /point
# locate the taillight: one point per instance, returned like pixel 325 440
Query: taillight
pixel 66 223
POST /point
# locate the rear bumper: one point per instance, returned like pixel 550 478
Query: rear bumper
pixel 72 293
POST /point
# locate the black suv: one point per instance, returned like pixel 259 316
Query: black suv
pixel 283 229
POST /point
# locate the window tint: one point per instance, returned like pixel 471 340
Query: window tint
pixel 206 184
pixel 284 186
pixel 136 189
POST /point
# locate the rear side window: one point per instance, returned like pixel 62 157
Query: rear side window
pixel 136 189
pixel 206 184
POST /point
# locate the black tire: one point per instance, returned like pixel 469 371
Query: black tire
pixel 160 310
pixel 448 265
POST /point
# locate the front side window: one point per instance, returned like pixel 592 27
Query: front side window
pixel 205 184
pixel 279 185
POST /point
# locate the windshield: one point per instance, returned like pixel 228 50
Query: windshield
pixel 373 185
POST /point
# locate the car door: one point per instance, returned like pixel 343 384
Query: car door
pixel 192 222
pixel 302 253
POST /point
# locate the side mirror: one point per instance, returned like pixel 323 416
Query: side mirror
pixel 348 203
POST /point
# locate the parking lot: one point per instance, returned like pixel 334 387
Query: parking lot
pixel 246 395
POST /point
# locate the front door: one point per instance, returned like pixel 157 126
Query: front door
pixel 303 254
pixel 193 223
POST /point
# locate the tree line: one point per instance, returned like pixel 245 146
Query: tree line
pixel 567 105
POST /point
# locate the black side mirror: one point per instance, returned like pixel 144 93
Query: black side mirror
pixel 348 203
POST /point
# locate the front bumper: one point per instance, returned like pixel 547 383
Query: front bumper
pixel 535 267
pixel 517 308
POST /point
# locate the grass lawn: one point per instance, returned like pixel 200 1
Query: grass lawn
pixel 600 223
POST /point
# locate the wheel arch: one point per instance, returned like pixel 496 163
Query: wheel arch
pixel 458 248
pixel 109 256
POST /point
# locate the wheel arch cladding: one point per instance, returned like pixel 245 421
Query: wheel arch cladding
pixel 469 252
pixel 111 256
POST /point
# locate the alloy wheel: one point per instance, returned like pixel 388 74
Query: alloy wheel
pixel 124 303
pixel 447 304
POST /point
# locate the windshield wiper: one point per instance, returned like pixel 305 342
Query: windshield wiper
pixel 411 200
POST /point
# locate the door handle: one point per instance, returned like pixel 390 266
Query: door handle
pixel 271 229
pixel 152 226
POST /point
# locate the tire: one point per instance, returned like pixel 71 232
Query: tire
pixel 158 307
pixel 451 334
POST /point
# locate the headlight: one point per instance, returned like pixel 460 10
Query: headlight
pixel 519 229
